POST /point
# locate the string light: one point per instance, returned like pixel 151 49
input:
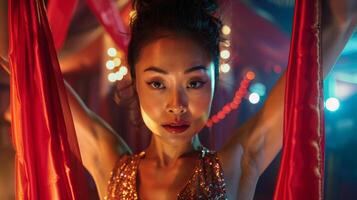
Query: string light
pixel 123 70
pixel 117 62
pixel 112 52
pixel 225 68
pixel 234 104
pixel 112 77
pixel 110 64
pixel 119 76
pixel 250 75
pixel 226 30
pixel 225 54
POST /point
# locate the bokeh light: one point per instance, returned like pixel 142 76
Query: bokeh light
pixel 110 64
pixel 117 61
pixel 226 30
pixel 112 77
pixel 225 54
pixel 332 104
pixel 225 68
pixel 112 52
pixel 254 98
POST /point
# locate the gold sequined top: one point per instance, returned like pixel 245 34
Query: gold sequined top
pixel 207 181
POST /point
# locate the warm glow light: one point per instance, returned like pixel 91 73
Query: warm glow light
pixel 117 62
pixel 225 68
pixel 254 98
pixel 123 70
pixel 332 104
pixel 227 43
pixel 225 54
pixel 132 13
pixel 226 30
pixel 119 76
pixel 112 52
pixel 110 64
pixel 250 75
pixel 112 77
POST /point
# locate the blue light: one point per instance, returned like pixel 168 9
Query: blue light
pixel 258 88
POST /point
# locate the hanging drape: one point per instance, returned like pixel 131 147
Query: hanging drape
pixel 60 14
pixel 48 164
pixel 302 166
pixel 107 13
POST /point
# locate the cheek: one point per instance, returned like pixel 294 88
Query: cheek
pixel 200 105
pixel 150 103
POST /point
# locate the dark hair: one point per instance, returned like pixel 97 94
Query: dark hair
pixel 193 18
pixel 154 18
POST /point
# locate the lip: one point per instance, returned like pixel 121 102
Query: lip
pixel 177 127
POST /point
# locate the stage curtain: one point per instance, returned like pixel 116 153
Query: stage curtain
pixel 301 172
pixel 48 163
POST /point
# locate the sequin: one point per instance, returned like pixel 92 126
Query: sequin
pixel 207 182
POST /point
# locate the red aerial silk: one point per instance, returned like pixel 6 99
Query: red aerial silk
pixel 301 172
pixel 107 13
pixel 48 164
pixel 59 15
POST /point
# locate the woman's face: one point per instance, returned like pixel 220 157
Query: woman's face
pixel 174 82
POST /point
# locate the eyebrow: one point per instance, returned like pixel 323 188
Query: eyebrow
pixel 161 71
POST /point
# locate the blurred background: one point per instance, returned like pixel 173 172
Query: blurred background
pixel 258 36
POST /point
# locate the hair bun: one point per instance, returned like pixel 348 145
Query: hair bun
pixel 207 6
pixel 210 6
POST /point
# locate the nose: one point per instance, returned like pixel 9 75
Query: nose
pixel 177 110
pixel 177 104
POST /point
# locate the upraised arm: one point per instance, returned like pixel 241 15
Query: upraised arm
pixel 260 139
pixel 99 145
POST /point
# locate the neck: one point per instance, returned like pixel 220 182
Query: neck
pixel 166 154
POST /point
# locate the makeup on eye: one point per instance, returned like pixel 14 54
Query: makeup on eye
pixel 192 84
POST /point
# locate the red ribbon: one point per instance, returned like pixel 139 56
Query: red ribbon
pixel 48 164
pixel 301 172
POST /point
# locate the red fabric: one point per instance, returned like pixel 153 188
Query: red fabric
pixel 107 13
pixel 302 165
pixel 59 15
pixel 47 159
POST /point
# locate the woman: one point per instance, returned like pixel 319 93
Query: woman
pixel 173 55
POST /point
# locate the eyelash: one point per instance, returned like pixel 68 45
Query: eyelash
pixel 151 84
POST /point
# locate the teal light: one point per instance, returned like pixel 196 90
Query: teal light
pixel 258 88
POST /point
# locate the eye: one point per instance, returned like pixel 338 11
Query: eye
pixel 156 85
pixel 195 84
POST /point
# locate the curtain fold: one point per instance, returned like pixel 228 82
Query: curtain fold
pixel 301 172
pixel 60 14
pixel 48 163
pixel 108 14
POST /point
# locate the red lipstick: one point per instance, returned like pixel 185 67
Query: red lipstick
pixel 176 127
